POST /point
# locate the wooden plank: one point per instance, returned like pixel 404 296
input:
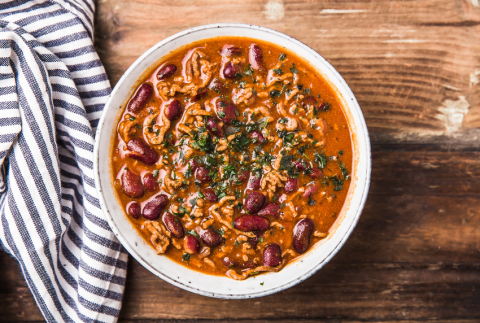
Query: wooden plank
pixel 341 292
pixel 413 65
pixel 16 300
pixel 289 321
pixel 272 320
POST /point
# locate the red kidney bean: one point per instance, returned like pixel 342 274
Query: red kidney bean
pixel 243 175
pixel 174 225
pixel 226 112
pixel 230 70
pixel 301 235
pixel 253 183
pixel 255 57
pixel 229 262
pixel 131 183
pixel 301 165
pixel 315 173
pixel 154 207
pixel 310 100
pixel 217 86
pixel 142 95
pixel 271 209
pixel 272 255
pixel 202 174
pixel 199 95
pixel 249 222
pixel 191 244
pixel 133 209
pixel 254 241
pixel 166 71
pixel 215 128
pixel 310 190
pixel 211 238
pixel 173 110
pixel 258 136
pixel 291 185
pixel 150 182
pixel 141 151
pixel 254 201
pixel 230 50
pixel 210 195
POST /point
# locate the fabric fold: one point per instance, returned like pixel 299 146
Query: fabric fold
pixel 52 91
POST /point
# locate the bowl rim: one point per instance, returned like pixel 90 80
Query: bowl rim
pixel 334 74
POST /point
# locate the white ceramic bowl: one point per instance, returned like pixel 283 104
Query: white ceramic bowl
pixel 216 286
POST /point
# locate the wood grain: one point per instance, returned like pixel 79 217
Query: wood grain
pixel 414 66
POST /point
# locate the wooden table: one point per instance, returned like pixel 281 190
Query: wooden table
pixel 414 67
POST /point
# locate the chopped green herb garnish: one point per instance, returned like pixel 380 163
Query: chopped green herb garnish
pixel 275 93
pixel 282 57
pixel 189 171
pixel 220 232
pixel 343 169
pixel 192 201
pixel 278 71
pixel 248 71
pixel 293 69
pixel 338 183
pixel 262 123
pixel 193 233
pixel 181 211
pixel 240 142
pixel 203 142
pixel 186 256
pixel 321 160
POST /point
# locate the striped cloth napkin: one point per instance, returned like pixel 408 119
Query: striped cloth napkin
pixel 52 91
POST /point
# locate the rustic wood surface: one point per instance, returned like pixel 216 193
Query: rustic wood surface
pixel 414 67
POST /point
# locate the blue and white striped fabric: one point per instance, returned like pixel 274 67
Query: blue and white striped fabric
pixel 52 91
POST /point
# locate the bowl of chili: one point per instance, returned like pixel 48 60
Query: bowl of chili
pixel 232 161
